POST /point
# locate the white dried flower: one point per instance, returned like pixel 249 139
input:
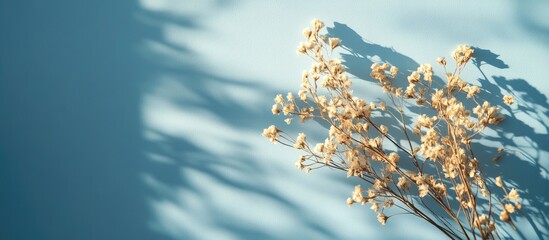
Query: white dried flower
pixel 403 183
pixel 300 141
pixel 462 54
pixel 383 129
pixel 414 77
pixel 423 190
pixel 334 42
pixel 275 109
pixel 504 216
pixel 290 97
pixel 509 208
pixel 394 71
pixel 374 207
pixel 302 95
pixel 271 133
pixel 357 194
pixel 382 218
pixel 513 194
pixel 382 106
pixel 499 183
pixel 319 147
pixel 350 201
pixel 317 25
pixel 440 189
pixel 279 99
pixel 301 49
pixel 307 33
pixel 441 61
pixel 483 219
pixel 288 120
pixel 299 162
pixel 508 99
pixel 472 91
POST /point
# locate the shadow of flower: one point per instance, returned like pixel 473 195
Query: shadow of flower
pixel 524 132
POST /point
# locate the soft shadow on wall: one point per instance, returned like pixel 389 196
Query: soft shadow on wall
pixel 70 130
pixel 198 136
pixel 186 156
pixel 523 133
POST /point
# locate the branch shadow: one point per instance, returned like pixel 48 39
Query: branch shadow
pixel 524 132
pixel 185 173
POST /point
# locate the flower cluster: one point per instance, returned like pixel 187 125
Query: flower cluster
pixel 437 146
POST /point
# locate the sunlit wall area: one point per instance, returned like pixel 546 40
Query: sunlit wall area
pixel 142 119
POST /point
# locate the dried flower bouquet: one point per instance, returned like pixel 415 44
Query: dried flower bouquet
pixel 433 169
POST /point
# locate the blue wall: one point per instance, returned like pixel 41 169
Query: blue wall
pixel 71 144
pixel 142 119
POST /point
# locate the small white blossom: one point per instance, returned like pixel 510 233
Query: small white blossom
pixel 508 99
pixel 334 42
pixel 271 133
pixel 382 218
pixel 300 141
pixel 513 194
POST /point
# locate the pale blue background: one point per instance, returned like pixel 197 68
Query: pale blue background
pixel 142 119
